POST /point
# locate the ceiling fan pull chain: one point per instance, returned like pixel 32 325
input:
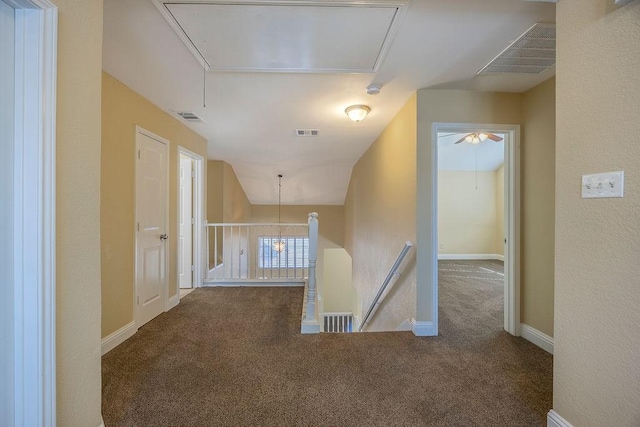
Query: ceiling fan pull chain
pixel 477 166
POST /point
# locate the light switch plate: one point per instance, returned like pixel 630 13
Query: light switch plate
pixel 603 185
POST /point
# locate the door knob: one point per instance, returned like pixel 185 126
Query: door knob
pixel 163 237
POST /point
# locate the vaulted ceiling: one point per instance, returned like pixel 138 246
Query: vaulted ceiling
pixel 252 113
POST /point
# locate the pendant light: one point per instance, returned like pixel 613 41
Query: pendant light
pixel 279 245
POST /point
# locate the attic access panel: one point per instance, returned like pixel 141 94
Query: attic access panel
pixel 286 36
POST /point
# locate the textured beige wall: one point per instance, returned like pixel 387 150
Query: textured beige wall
pixel 380 215
pixel 215 190
pixel 538 203
pixel 236 206
pixel 78 213
pixel 467 216
pixel 330 219
pixel 122 110
pixel 597 244
pixel 337 281
pixel 448 106
pixel 500 234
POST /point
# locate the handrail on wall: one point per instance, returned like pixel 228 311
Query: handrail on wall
pixel 392 273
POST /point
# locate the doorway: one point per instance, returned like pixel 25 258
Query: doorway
pixel 499 232
pixel 190 217
pixel 471 229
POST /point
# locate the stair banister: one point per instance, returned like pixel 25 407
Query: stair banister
pixel 313 256
pixel 310 323
pixel 393 273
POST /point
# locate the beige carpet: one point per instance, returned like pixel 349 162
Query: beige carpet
pixel 234 357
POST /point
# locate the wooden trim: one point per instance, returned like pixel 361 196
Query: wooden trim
pixel 555 420
pixel 471 257
pixel 116 338
pixel 423 329
pixel 536 337
pixel 35 213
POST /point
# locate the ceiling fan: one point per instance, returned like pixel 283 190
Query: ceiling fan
pixel 478 137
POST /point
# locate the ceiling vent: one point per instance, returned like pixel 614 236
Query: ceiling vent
pixel 307 132
pixel 532 53
pixel 189 116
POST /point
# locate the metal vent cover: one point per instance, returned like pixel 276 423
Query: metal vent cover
pixel 189 116
pixel 532 53
pixel 338 322
pixel 307 132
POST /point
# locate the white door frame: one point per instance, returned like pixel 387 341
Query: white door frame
pixel 512 215
pixel 198 215
pixel 35 212
pixel 165 288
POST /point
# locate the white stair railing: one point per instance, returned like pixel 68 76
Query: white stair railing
pixel 257 252
pixel 393 275
pixel 310 324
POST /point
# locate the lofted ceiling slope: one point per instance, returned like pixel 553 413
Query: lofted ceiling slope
pixel 251 118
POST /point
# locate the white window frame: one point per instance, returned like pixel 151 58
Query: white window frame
pixel 286 239
pixel 34 212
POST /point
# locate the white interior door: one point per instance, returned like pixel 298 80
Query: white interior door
pixel 185 223
pixel 151 217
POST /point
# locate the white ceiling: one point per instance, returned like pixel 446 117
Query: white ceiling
pixel 462 157
pixel 251 117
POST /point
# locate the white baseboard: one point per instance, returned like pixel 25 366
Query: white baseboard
pixel 555 420
pixel 101 422
pixel 312 327
pixel 252 283
pixel 118 337
pixel 423 329
pixel 471 257
pixel 540 339
pixel 173 301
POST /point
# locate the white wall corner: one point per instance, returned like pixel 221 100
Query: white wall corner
pixel 118 337
pixel 406 325
pixel 173 301
pixel 538 338
pixel 555 420
pixel 423 329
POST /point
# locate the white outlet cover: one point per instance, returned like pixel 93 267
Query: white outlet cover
pixel 603 185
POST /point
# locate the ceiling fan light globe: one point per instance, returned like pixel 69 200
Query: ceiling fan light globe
pixel 468 138
pixel 483 136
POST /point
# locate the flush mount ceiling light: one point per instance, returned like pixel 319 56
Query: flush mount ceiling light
pixel 357 113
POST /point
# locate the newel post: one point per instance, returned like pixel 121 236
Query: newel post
pixel 310 322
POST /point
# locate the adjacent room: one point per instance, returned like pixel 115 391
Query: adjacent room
pixel 471 227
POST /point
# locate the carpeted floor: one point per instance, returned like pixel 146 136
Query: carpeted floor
pixel 234 357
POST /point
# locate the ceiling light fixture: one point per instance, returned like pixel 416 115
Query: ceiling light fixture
pixel 357 113
pixel 279 245
pixel 476 138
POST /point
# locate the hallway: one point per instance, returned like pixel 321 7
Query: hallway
pixel 234 356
